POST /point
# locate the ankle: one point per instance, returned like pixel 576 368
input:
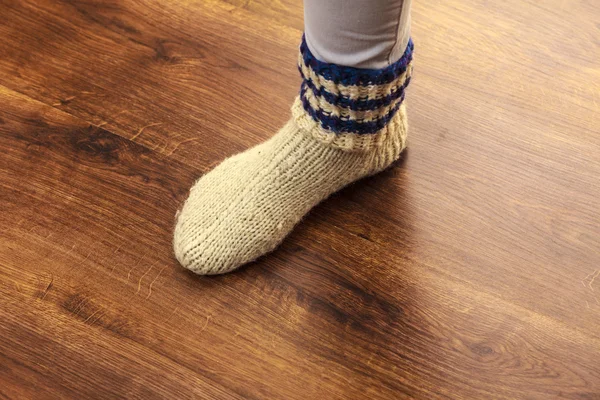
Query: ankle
pixel 354 109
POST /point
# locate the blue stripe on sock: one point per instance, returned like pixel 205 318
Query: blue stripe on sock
pixel 357 76
pixel 358 104
pixel 341 125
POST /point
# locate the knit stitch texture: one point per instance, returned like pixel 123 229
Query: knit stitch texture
pixel 346 124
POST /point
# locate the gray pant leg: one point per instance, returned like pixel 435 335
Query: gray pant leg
pixel 357 33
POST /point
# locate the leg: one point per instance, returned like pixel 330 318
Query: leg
pixel 347 123
pixel 365 34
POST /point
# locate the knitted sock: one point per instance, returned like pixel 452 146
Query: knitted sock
pixel 346 124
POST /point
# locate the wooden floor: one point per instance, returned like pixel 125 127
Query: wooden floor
pixel 468 271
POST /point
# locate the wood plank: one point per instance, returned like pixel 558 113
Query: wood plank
pixel 183 64
pixel 80 205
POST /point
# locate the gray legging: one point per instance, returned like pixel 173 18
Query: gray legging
pixel 357 33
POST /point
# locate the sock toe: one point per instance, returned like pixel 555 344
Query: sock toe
pixel 203 256
pixel 218 238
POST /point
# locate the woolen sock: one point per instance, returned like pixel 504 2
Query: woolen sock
pixel 347 123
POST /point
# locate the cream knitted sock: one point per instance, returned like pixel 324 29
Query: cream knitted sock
pixel 342 129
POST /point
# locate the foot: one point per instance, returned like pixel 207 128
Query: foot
pixel 347 124
pixel 248 204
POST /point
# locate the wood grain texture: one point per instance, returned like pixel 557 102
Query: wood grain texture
pixel 470 270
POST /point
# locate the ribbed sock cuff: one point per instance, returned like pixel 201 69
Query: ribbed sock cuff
pixel 353 108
